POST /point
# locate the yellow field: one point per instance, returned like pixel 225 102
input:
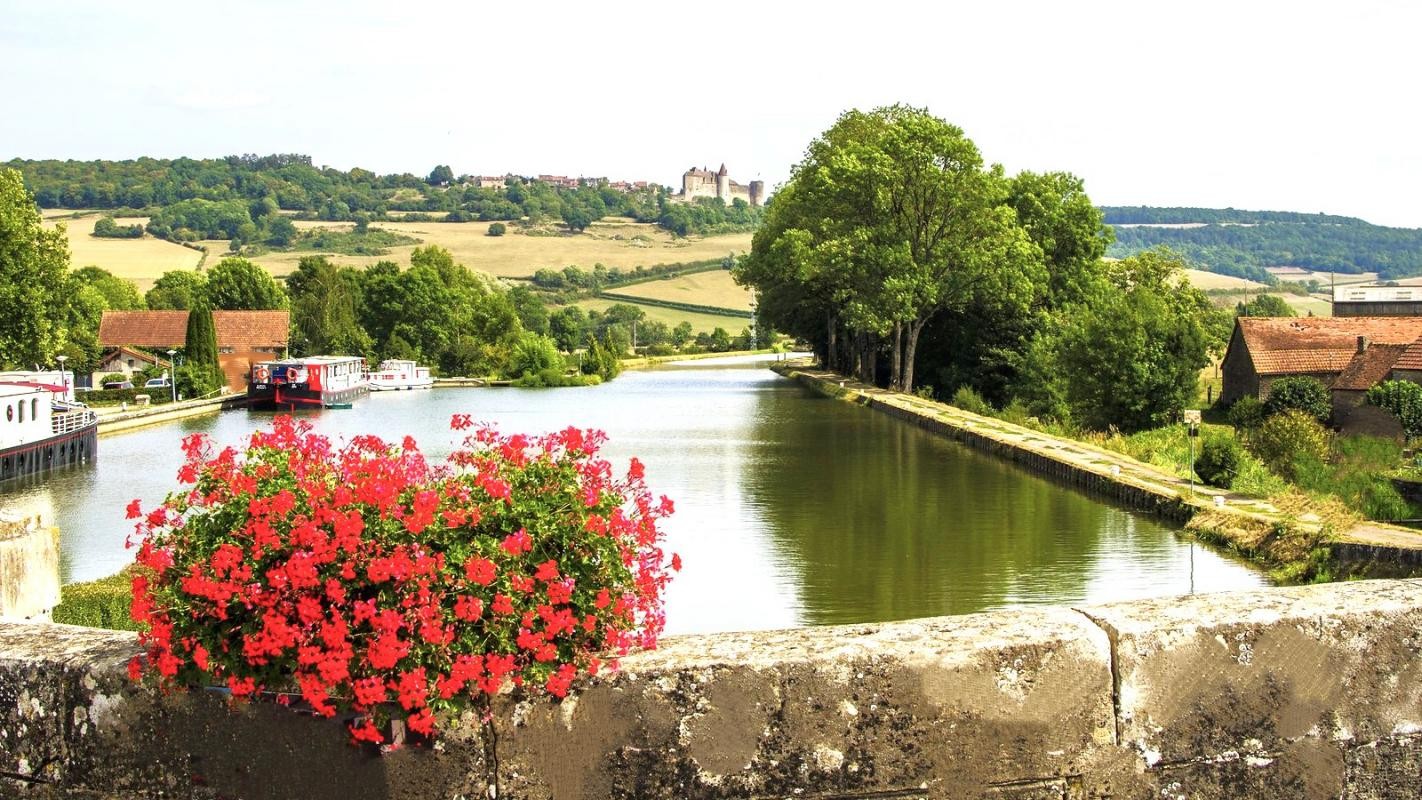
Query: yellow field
pixel 1302 305
pixel 1325 278
pixel 701 288
pixel 612 243
pixel 1205 281
pixel 139 260
pixel 672 317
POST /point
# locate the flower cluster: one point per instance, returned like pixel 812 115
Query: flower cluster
pixel 373 580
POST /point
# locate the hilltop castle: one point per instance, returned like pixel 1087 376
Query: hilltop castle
pixel 705 183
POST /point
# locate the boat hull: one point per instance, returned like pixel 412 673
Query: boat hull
pixel 59 450
pixel 400 387
pixel 272 397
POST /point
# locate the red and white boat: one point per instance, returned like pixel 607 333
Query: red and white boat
pixel 398 374
pixel 310 382
pixel 41 429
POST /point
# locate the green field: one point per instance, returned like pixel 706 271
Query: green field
pixel 672 317
pixel 713 288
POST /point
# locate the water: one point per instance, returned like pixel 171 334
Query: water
pixel 792 509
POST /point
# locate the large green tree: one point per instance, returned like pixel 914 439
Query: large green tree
pixel 324 299
pixel 119 294
pixel 33 263
pixel 237 284
pixel 891 220
pixel 178 290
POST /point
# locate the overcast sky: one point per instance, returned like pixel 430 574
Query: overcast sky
pixel 1299 106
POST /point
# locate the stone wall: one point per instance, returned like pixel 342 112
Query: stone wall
pixel 1292 693
pixel 29 569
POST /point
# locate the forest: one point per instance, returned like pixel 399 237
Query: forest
pixel 1245 243
pixel 240 197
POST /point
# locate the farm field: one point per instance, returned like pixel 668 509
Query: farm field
pixel 1323 277
pixel 139 260
pixel 672 317
pixel 701 288
pixel 1205 281
pixel 613 243
pixel 1303 305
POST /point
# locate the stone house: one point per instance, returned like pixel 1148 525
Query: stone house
pixel 122 360
pixel 243 337
pixel 1372 364
pixel 1263 349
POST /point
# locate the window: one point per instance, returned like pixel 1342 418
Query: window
pixel 34 408
pixel 9 413
pixel 22 411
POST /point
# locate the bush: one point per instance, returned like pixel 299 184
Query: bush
pixel 1305 394
pixel 1246 413
pixel 970 401
pixel 1218 461
pixel 98 604
pixel 533 353
pixel 366 576
pixel 1403 399
pixel 1285 439
pixel 498 229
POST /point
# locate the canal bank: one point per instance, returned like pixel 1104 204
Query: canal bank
pixel 113 420
pixel 1296 548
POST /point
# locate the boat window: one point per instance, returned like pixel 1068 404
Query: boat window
pixel 9 413
pixel 22 411
pixel 34 408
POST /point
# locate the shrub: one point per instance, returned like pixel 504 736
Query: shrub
pixel 1218 461
pixel 533 353
pixel 368 578
pixel 1404 400
pixel 1305 394
pixel 1286 438
pixel 1246 413
pixel 970 401
pixel 497 229
pixel 97 604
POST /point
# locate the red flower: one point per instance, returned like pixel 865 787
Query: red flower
pixel 480 570
pixel 517 543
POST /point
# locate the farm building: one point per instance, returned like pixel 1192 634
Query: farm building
pixel 1264 349
pixel 242 336
pixel 1377 301
pixel 121 360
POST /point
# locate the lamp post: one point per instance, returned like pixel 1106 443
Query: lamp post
pixel 172 375
pixel 63 378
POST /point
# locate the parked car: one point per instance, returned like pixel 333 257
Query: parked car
pixel 118 384
pixel 156 383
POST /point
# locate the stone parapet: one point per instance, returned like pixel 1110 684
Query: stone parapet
pixel 1281 693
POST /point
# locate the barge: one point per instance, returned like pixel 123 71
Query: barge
pixel 310 382
pixel 41 429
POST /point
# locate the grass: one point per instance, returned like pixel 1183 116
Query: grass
pixel 713 288
pixel 139 260
pixel 612 243
pixel 699 321
pixel 97 604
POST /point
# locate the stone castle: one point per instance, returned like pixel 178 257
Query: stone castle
pixel 705 183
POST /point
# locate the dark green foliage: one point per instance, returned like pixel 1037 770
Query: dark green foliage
pixel 197 380
pixel 119 294
pixel 108 229
pixel 113 397
pixel 191 220
pixel 1404 400
pixel 441 175
pixel 972 402
pixel 1218 460
pixel 1150 215
pixel 324 299
pixel 1246 414
pixel 497 229
pixel 201 373
pixel 601 358
pixel 1289 440
pixel 533 354
pixel 238 284
pixel 1302 393
pixel 36 309
pixel 1265 305
pixel 369 242
pixel 177 290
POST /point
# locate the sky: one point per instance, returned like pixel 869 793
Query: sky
pixel 1298 106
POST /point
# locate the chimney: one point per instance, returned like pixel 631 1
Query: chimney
pixel 1362 343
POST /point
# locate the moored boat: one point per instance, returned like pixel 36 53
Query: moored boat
pixel 40 429
pixel 396 374
pixel 310 382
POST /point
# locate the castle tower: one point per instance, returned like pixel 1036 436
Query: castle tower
pixel 757 192
pixel 723 185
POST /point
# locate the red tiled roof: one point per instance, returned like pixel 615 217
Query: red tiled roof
pixel 1295 345
pixel 1369 367
pixel 161 330
pixel 1411 357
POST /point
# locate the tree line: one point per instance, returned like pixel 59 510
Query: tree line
pixel 1245 250
pixel 214 198
pixel 1175 215
pixel 906 260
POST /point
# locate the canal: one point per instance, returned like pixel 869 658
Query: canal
pixel 792 509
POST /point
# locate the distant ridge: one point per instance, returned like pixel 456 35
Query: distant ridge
pixel 1174 215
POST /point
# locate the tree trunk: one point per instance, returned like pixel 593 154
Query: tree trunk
pixel 896 361
pixel 915 328
pixel 871 358
pixel 831 354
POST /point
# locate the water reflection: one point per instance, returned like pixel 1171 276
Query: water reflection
pixel 791 509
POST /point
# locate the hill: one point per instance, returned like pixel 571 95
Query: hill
pixel 1247 243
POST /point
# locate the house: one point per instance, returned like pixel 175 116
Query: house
pixel 1372 364
pixel 243 337
pixel 1264 349
pixel 123 360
